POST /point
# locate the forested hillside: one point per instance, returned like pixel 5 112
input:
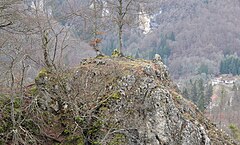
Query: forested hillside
pixel 205 32
pixel 187 34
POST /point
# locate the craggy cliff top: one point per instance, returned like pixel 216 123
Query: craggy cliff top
pixel 115 100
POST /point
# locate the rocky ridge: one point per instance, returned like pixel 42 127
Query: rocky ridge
pixel 140 100
pixel 116 101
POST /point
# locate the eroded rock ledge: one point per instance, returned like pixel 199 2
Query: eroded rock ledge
pixel 120 101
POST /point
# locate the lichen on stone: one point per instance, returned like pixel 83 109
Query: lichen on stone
pixel 116 53
pixel 116 101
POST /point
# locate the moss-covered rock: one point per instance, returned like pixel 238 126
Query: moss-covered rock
pixel 74 140
pixel 43 73
pixel 116 53
pixel 235 131
pixel 33 90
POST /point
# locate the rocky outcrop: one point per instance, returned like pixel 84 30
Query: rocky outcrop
pixel 124 101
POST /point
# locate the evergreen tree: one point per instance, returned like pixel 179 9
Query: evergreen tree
pixel 172 37
pixel 137 54
pixel 236 95
pixel 230 65
pixel 185 93
pixel 194 94
pixel 200 95
pixel 208 95
pixel 203 69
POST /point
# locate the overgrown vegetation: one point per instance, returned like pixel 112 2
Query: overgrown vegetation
pixel 235 131
pixel 198 92
pixel 61 108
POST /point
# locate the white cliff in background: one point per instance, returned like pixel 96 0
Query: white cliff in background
pixel 40 6
pixel 144 22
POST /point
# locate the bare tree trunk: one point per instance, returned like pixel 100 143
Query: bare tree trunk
pixel 120 39
pixel 120 25
pixel 95 20
pixel 45 42
pixel 12 96
pixel 95 47
pixel 122 12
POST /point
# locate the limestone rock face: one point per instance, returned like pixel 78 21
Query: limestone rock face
pixel 133 102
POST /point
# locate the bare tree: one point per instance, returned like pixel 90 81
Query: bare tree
pixel 53 36
pixel 120 10
pixel 90 17
pixel 126 13
pixel 97 8
pixel 24 35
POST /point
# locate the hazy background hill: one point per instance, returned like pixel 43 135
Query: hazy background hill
pixel 204 31
pixel 187 34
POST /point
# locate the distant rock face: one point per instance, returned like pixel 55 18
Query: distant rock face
pixel 133 102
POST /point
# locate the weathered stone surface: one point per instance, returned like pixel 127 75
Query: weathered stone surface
pixel 137 98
